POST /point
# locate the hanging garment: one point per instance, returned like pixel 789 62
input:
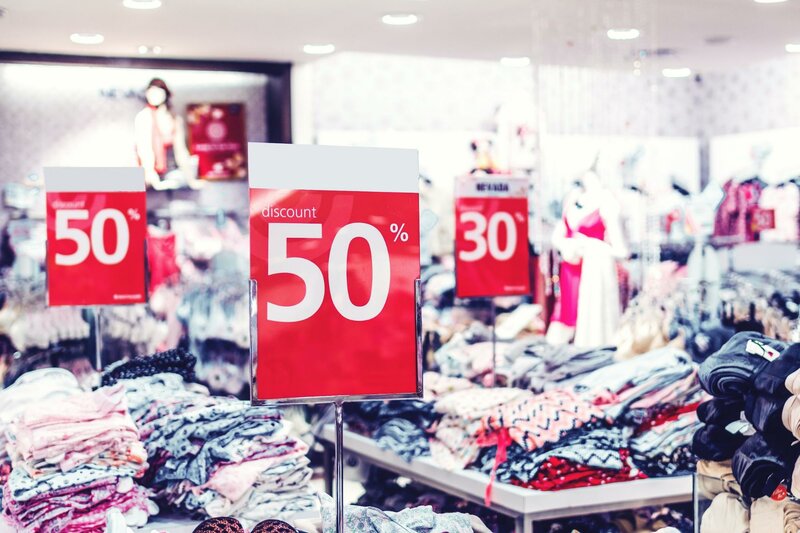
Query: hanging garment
pixel 566 311
pixel 598 303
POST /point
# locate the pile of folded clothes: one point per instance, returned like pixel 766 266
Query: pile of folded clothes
pixel 749 430
pixel 48 383
pixel 72 461
pixel 217 456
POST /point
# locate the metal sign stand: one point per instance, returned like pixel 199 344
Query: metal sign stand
pixel 338 461
pixel 98 338
pixel 494 342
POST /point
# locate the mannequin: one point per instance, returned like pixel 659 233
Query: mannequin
pixel 589 239
pixel 161 142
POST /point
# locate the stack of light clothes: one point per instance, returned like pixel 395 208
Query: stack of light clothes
pixel 73 460
pixel 218 456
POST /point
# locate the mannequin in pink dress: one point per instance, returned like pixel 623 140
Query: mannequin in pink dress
pixel 589 232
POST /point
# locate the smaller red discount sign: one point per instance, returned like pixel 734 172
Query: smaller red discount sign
pixel 491 237
pixel 96 228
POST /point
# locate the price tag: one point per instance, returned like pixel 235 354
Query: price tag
pixel 334 252
pixel 96 226
pixel 491 237
pixel 763 219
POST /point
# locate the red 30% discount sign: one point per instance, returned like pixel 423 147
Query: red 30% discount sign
pixel 334 252
pixel 491 237
pixel 96 231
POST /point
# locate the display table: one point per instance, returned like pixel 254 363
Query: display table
pixel 524 505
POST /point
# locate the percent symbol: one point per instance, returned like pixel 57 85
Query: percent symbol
pixel 133 214
pixel 399 232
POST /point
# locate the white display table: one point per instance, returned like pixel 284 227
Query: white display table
pixel 524 505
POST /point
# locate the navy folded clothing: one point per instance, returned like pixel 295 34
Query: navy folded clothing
pixel 730 372
pixel 771 379
pixel 760 467
pixel 720 412
pixel 715 443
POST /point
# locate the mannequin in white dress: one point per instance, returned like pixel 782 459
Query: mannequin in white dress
pixel 589 239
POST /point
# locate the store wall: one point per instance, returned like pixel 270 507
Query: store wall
pixel 83 116
pixel 759 97
pixel 354 91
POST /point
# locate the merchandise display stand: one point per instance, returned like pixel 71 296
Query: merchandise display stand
pixel 524 505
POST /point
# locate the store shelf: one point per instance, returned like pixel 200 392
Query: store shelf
pixel 525 505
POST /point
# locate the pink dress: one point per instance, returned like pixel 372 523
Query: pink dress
pixel 566 309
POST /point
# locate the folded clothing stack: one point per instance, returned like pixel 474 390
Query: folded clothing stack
pixel 47 383
pixel 665 449
pixel 176 361
pixel 218 456
pixel 72 461
pixel 541 366
pixel 399 426
pixel 729 512
pixel 750 379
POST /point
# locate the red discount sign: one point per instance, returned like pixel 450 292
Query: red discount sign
pixel 96 230
pixel 334 252
pixel 491 237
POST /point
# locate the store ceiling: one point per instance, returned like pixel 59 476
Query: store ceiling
pixel 551 31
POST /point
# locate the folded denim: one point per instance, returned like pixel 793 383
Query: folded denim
pixel 715 443
pixel 720 412
pixel 772 377
pixel 730 372
pixel 760 467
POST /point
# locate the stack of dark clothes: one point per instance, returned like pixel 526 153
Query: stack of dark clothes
pixel 176 361
pixel 400 426
pixel 747 379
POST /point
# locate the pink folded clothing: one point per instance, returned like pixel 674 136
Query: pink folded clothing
pixel 73 460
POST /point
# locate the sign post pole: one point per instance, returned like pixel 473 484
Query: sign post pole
pixel 338 489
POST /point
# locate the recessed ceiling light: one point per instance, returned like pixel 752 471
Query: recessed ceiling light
pixel 793 48
pixel 319 49
pixel 623 34
pixel 400 19
pixel 676 72
pixel 144 49
pixel 86 38
pixel 769 1
pixel 515 61
pixel 142 4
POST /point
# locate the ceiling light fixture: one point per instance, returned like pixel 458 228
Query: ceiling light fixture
pixel 676 72
pixel 515 61
pixel 156 50
pixel 623 34
pixel 319 49
pixel 142 4
pixel 143 49
pixel 86 38
pixel 769 1
pixel 400 19
pixel 793 48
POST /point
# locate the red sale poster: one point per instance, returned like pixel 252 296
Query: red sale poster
pixel 217 137
pixel 491 243
pixel 334 252
pixel 96 225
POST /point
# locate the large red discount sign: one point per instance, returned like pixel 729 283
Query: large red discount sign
pixel 334 253
pixel 96 229
pixel 491 237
